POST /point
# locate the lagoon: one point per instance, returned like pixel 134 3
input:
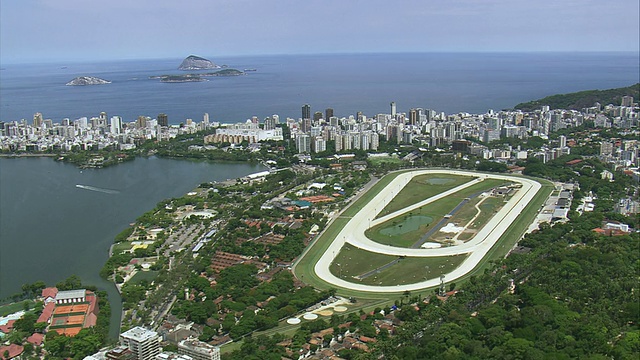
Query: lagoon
pixel 51 229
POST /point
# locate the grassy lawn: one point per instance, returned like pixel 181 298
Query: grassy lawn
pixel 489 207
pixel 143 275
pixel 436 210
pixel 421 188
pixel 15 307
pixel 412 270
pixel 119 248
pixel 354 261
pixel 384 159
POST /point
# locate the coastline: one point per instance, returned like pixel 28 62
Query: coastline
pixel 35 155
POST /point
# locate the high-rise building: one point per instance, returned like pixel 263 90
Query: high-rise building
pixel 163 119
pixel 269 123
pixel 116 125
pixel 143 343
pixel 413 116
pixel 606 148
pixel 198 350
pixel 393 109
pixel 305 126
pixel 627 101
pixel 303 143
pixel 490 135
pixel 319 144
pixel 102 119
pixel 328 113
pixel 306 111
pixel 37 120
pixel 141 122
pixel 563 141
pixel 317 116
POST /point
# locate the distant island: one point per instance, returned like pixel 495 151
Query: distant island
pixel 193 62
pixel 196 77
pixel 582 99
pixel 87 80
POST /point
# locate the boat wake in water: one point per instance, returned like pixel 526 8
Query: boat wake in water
pixel 93 188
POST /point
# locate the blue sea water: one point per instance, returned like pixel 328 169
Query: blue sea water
pixel 449 82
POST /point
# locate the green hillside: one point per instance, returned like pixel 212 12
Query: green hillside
pixel 582 99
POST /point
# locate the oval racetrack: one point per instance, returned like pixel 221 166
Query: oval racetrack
pixel 477 248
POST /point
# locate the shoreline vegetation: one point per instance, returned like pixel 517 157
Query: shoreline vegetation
pixel 176 258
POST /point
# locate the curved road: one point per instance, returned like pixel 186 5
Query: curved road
pixel 477 248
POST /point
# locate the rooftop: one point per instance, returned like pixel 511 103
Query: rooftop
pixel 70 294
pixel 139 334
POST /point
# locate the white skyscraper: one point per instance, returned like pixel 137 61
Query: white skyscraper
pixel 116 125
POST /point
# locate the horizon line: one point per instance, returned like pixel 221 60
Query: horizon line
pixel 98 60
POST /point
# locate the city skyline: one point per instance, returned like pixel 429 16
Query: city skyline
pixel 73 30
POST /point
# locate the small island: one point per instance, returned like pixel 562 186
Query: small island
pixel 87 80
pixel 193 62
pixel 196 77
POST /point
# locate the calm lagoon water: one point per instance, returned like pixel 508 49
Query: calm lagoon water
pixel 51 229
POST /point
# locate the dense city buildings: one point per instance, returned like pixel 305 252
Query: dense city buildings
pixel 318 132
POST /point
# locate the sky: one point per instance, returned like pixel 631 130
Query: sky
pixel 55 30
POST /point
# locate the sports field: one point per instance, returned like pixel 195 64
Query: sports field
pixel 485 222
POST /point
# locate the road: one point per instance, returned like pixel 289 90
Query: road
pixel 476 248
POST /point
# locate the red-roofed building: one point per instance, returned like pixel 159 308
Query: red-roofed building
pixel 609 232
pixel 13 349
pixel 7 327
pixel 49 292
pixel 366 339
pixel 47 312
pixel 36 339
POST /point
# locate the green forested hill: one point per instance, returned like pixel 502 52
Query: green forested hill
pixel 582 99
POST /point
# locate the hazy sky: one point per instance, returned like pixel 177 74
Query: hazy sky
pixel 48 30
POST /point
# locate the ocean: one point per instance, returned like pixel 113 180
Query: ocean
pixel 348 83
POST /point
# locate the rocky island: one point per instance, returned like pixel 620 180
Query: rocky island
pixel 87 80
pixel 196 77
pixel 193 62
